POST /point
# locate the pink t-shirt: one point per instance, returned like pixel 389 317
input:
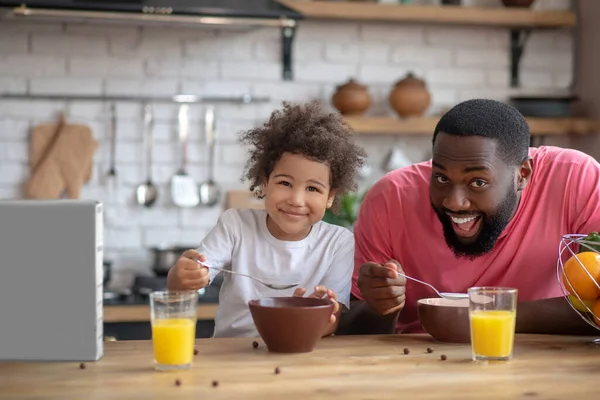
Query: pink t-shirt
pixel 396 221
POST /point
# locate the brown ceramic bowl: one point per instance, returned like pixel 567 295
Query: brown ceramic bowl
pixel 291 324
pixel 445 320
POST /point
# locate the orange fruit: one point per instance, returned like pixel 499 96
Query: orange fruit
pixel 581 306
pixel 576 279
pixel 596 312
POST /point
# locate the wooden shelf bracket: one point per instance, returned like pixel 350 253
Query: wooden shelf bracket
pixel 518 38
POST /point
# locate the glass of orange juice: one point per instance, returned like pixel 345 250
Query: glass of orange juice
pixel 173 318
pixel 492 315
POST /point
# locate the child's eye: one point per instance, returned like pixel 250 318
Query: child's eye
pixel 284 183
pixel 312 189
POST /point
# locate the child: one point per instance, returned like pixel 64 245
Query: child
pixel 302 160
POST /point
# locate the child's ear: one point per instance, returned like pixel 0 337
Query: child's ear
pixel 331 199
pixel 264 186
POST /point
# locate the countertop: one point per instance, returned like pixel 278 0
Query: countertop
pixel 351 367
pixel 141 312
pixel 136 308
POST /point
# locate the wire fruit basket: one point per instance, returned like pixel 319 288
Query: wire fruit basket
pixel 578 274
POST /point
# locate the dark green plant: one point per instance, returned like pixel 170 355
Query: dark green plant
pixel 349 205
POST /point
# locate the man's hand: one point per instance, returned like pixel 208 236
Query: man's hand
pixel 187 274
pixel 381 286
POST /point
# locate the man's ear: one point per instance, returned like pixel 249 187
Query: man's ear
pixel 524 174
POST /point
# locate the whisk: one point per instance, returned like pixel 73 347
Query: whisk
pixel 569 246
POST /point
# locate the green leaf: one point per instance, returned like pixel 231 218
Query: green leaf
pixel 339 220
pixel 349 205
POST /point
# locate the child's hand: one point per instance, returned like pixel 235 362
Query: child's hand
pixel 187 274
pixel 319 293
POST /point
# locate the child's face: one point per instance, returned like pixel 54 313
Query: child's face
pixel 296 196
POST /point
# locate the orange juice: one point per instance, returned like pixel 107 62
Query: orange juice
pixel 173 340
pixel 492 333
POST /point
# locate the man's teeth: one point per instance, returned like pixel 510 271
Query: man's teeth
pixel 463 220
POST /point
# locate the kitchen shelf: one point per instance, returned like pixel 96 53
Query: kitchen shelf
pixel 424 126
pixel 520 21
pixel 456 15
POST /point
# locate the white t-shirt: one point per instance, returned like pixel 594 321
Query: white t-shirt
pixel 241 241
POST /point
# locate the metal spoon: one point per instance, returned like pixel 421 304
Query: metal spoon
pixel 270 285
pixel 147 192
pixel 446 295
pixel 209 191
pixel 111 175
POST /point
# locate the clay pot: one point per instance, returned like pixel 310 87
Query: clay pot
pixel 351 98
pixel 409 97
pixel 518 3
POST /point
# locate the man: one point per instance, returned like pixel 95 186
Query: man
pixel 487 210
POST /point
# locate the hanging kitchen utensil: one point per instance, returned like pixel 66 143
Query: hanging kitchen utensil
pixel 147 192
pixel 61 157
pixel 111 175
pixel 209 191
pixel 184 191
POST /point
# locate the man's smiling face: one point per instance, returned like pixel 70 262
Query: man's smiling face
pixel 473 192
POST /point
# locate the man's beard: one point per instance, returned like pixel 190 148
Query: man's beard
pixel 491 228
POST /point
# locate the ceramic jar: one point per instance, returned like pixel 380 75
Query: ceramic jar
pixel 351 98
pixel 409 97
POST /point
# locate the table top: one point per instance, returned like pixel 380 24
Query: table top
pixel 351 367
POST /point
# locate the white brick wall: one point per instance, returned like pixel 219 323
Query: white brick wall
pixel 457 63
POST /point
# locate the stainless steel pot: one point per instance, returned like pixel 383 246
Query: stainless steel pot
pixel 165 258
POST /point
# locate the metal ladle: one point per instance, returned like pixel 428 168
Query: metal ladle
pixel 209 191
pixel 111 175
pixel 146 192
pixel 269 285
pixel 446 295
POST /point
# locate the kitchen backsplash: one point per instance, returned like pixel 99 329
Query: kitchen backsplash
pixel 457 63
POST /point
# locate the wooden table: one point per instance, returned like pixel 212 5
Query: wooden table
pixel 351 367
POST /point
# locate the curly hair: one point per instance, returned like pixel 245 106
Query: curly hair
pixel 308 130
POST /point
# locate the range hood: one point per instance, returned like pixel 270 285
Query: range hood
pixel 250 12
pixel 167 12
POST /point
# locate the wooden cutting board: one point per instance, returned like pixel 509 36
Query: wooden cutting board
pixel 61 160
pixel 243 199
pixel 42 137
